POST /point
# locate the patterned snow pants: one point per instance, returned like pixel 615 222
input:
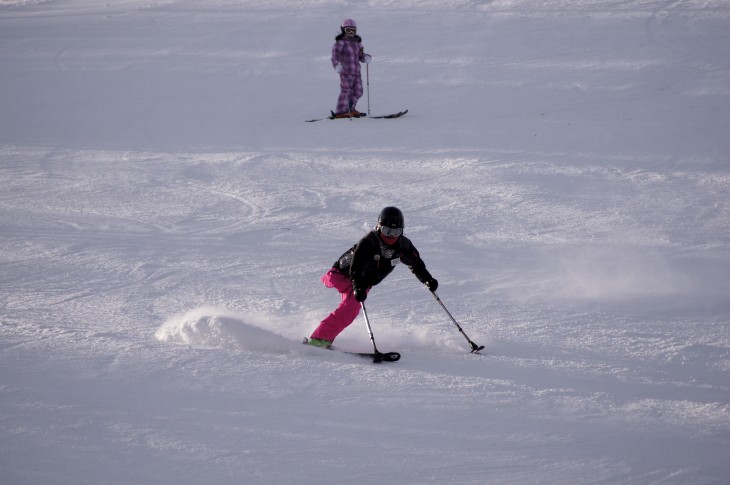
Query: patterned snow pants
pixel 350 92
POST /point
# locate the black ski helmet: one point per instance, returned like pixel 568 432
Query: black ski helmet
pixel 391 217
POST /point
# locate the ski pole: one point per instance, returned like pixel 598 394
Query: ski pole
pixel 377 357
pixel 367 77
pixel 474 347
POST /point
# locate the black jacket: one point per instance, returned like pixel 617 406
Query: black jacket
pixel 341 36
pixel 369 261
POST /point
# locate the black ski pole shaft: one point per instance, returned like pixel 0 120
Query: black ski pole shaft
pixel 474 347
pixel 378 357
pixel 367 76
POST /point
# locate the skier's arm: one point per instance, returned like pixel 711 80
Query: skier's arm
pixel 336 63
pixel 412 259
pixel 361 258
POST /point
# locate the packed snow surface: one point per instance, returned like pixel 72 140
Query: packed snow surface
pixel 166 213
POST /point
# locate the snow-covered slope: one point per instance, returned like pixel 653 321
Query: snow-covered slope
pixel 165 216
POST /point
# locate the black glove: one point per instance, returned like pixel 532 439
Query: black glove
pixel 360 294
pixel 432 284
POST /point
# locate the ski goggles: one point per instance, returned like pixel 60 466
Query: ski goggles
pixel 391 231
pixel 350 30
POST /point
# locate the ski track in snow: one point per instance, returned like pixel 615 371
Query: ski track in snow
pixel 165 216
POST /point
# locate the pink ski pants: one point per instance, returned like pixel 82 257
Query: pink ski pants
pixel 344 314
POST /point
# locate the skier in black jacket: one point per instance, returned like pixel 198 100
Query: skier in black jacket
pixel 365 265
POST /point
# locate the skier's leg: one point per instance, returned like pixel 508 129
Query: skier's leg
pixel 355 92
pixel 346 87
pixel 344 314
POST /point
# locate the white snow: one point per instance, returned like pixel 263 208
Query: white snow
pixel 166 213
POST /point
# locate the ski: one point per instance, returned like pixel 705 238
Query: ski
pixel 376 357
pixel 382 117
pixel 332 116
pixel 391 116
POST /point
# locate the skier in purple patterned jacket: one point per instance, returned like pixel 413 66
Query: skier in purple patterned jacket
pixel 347 54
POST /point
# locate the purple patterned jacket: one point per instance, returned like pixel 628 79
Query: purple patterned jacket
pixel 348 53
